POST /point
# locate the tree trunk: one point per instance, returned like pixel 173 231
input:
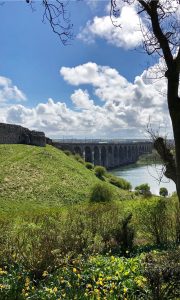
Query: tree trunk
pixel 174 110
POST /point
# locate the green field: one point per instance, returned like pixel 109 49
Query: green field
pixel 35 176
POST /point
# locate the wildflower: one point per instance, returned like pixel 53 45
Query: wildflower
pixel 45 273
pixel 109 278
pixel 2 272
pixel 26 294
pixel 2 286
pixel 96 291
pixel 125 290
pixel 55 289
pixel 89 286
pixel 74 270
pixel 79 276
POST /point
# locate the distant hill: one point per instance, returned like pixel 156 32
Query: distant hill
pixel 34 177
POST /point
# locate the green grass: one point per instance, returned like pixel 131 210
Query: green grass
pixel 34 176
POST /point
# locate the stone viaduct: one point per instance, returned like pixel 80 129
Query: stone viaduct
pixel 109 154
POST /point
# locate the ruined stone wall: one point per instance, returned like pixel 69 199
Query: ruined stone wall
pixel 15 134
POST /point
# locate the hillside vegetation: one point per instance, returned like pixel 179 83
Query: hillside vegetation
pixel 65 232
pixel 44 176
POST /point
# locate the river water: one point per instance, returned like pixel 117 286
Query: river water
pixel 138 174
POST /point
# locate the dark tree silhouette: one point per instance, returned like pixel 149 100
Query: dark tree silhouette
pixel 161 37
pixel 56 14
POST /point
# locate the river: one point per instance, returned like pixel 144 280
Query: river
pixel 138 174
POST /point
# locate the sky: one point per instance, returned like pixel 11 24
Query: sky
pixel 99 85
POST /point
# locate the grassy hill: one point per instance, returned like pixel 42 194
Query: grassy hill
pixel 43 176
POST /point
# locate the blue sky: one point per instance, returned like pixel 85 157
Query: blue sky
pixel 35 67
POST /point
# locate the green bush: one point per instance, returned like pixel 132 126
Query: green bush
pixel 159 220
pixel 143 189
pixel 100 171
pixel 101 193
pixel 163 274
pixel 79 158
pixel 67 152
pixel 120 182
pixel 89 165
pixel 163 192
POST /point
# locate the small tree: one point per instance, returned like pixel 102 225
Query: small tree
pixel 161 36
pixel 99 171
pixel 143 189
pixel 163 192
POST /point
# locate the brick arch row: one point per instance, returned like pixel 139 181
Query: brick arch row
pixel 111 156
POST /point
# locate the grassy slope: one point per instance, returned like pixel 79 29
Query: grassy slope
pixel 43 176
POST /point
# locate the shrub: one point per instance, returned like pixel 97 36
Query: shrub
pixel 100 171
pixel 79 158
pixel 67 152
pixel 157 219
pixel 163 274
pixel 89 165
pixel 120 182
pixel 143 189
pixel 101 193
pixel 163 192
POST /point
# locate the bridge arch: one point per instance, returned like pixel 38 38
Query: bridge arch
pixel 97 156
pixel 116 157
pixel 121 155
pixel 110 157
pixel 88 154
pixel 103 156
pixel 78 150
pixel 129 154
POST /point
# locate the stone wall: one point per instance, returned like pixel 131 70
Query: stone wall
pixel 15 134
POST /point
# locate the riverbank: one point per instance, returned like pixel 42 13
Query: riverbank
pixel 145 173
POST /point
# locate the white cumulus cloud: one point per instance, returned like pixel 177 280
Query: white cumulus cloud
pixel 127 36
pixel 123 109
pixel 8 91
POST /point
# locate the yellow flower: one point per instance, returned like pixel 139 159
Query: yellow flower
pixel 2 286
pixel 55 289
pixel 2 272
pixel 45 273
pixel 79 276
pixel 74 270
pixel 125 290
pixel 89 286
pixel 96 291
pixel 26 295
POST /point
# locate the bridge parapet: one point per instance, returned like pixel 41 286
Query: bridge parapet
pixel 107 154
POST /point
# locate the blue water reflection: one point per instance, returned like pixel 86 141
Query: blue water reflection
pixel 145 174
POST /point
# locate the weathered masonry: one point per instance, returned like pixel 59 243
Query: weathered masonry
pixel 15 134
pixel 107 154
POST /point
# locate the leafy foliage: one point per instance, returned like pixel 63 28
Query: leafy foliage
pixel 89 165
pixel 100 171
pixel 163 192
pixel 101 193
pixel 143 189
pixel 120 182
